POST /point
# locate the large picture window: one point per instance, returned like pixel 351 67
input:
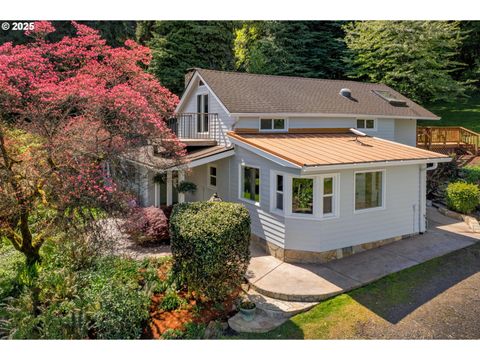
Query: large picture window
pixel 250 182
pixel 369 190
pixel 302 196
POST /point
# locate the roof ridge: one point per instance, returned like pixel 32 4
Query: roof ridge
pixel 289 77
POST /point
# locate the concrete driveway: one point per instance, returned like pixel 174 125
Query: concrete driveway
pixel 302 282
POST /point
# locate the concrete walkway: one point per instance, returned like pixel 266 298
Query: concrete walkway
pixel 301 282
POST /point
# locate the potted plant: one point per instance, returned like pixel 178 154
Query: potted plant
pixel 247 310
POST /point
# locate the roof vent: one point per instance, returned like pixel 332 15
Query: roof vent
pixel 346 93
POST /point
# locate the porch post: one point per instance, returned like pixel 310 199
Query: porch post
pixel 181 177
pixel 157 194
pixel 169 188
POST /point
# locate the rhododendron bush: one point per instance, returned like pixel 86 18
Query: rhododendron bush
pixel 66 109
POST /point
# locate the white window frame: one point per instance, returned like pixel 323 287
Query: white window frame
pixel 202 94
pixel 285 123
pixel 318 195
pixel 209 185
pixel 375 122
pixel 384 191
pixel 240 184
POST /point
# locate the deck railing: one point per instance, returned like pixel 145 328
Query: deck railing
pixel 194 125
pixel 430 137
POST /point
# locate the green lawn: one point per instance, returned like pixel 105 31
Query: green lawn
pixel 379 304
pixel 466 114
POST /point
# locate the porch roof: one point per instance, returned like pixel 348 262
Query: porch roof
pixel 315 150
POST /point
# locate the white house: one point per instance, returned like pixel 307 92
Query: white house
pixel 326 168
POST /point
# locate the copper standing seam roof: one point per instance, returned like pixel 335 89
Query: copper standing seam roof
pixel 255 93
pixel 333 149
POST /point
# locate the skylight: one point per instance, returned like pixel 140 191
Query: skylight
pixel 392 99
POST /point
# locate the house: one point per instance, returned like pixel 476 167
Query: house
pixel 327 168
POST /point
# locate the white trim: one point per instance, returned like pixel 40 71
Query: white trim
pixel 384 191
pixel 189 88
pixel 240 184
pixel 375 124
pixel 169 188
pixel 181 177
pixel 272 130
pixel 211 158
pixel 209 166
pixel 317 196
pixel 381 164
pixel 273 192
pixel 332 115
pixel 264 154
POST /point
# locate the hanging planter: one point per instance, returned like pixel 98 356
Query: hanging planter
pixel 186 187
pixel 160 178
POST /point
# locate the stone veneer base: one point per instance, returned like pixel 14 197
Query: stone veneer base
pixel 312 257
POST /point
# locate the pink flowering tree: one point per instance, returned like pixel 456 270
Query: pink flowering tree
pixel 66 109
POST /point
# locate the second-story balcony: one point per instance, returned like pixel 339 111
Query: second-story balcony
pixel 195 129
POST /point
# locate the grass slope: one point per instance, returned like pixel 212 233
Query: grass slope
pixel 466 114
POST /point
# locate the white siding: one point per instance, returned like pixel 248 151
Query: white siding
pixel 400 217
pixel 264 224
pixel 406 131
pixel 199 177
pixel 225 121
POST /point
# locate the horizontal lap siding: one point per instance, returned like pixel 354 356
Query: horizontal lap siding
pixel 406 131
pixel 399 218
pixel 198 176
pixel 264 224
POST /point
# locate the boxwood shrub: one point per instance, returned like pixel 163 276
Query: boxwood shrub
pixel 210 247
pixel 462 197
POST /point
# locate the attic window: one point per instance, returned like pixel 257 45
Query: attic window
pixel 200 83
pixel 390 98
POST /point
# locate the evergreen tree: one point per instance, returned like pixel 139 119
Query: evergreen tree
pixel 417 58
pixel 179 45
pixel 294 48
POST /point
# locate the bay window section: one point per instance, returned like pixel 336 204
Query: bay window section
pixel 328 205
pixel 250 183
pixel 279 192
pixel 302 196
pixel 369 190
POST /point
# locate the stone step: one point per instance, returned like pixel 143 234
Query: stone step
pixel 261 323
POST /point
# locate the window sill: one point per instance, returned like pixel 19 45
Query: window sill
pixel 311 217
pixel 251 202
pixel 379 208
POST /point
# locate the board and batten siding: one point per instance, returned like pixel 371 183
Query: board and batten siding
pixel 225 122
pixel 400 216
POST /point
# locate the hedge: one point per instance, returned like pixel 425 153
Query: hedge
pixel 462 197
pixel 210 247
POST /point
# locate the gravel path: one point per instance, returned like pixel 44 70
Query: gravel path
pixel 122 245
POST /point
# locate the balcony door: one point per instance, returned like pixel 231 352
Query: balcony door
pixel 202 113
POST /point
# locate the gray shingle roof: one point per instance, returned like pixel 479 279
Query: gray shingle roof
pixel 254 93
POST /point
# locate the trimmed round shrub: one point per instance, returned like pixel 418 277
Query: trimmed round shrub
pixel 462 197
pixel 210 247
pixel 147 225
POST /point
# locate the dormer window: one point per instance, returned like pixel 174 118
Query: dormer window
pixel 366 124
pixel 273 125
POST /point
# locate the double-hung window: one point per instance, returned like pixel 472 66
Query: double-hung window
pixel 202 113
pixel 273 125
pixel 250 183
pixel 279 192
pixel 369 190
pixel 328 208
pixel 212 176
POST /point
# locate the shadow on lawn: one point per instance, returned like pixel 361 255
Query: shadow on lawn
pixel 397 295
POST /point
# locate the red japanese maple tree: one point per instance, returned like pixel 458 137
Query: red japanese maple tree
pixel 66 108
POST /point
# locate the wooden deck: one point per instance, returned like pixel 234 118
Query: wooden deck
pixel 448 139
